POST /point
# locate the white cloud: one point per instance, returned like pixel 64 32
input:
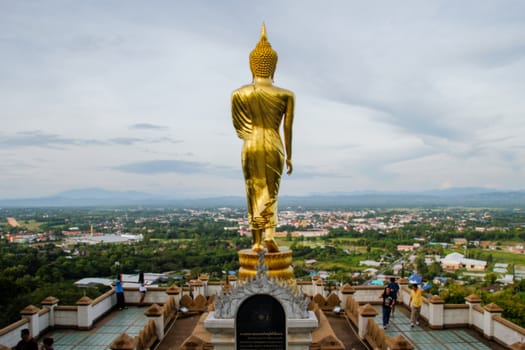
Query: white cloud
pixel 389 96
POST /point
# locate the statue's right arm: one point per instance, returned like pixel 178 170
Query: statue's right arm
pixel 288 123
pixel 240 118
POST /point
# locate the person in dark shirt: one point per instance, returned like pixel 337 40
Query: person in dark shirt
pixel 394 289
pixel 47 344
pixel 388 302
pixel 27 342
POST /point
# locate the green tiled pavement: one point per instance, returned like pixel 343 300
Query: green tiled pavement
pixel 450 337
pixel 71 339
pixel 115 329
pixel 434 347
pixel 422 338
pixel 130 321
pixel 425 339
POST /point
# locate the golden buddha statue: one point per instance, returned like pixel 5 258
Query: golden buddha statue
pixel 258 109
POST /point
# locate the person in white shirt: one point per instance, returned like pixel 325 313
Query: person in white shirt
pixel 142 290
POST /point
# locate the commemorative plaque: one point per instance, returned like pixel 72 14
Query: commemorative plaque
pixel 260 324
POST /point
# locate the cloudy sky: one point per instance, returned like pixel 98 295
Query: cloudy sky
pixel 135 95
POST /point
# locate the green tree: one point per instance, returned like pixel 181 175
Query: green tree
pixel 454 293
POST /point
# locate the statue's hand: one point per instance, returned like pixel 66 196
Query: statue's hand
pixel 289 166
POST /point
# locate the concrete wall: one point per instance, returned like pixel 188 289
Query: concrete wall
pixel 214 288
pixel 455 315
pixel 490 324
pixel 43 319
pixel 367 294
pixel 425 311
pixel 154 295
pixel 66 316
pixel 477 318
pixel 506 332
pixel 102 305
pixel 10 335
pixel 307 288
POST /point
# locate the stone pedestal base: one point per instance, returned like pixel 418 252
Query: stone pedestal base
pixel 279 264
pixel 261 312
pixel 299 332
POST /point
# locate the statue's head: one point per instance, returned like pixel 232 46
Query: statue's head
pixel 263 59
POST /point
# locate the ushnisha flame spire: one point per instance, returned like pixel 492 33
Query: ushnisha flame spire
pixel 263 59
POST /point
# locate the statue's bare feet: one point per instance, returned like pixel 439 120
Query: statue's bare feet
pixel 271 245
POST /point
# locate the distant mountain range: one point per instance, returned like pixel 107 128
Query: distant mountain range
pixel 464 197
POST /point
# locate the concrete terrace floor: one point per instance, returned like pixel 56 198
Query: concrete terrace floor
pixel 184 326
pixel 425 338
pixel 421 336
pixel 132 320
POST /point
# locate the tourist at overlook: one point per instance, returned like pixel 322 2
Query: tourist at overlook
pixel 416 300
pixel 394 289
pixel 142 290
pixel 27 342
pixel 47 344
pixel 119 290
pixel 388 303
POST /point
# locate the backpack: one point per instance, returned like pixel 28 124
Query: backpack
pixel 388 301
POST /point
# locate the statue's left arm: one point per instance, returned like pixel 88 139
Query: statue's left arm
pixel 288 123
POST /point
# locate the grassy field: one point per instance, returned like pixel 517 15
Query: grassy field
pixel 348 262
pixel 345 243
pixel 507 257
pixel 498 256
pixel 31 225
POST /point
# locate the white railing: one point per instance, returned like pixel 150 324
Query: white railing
pixel 43 319
pixel 487 320
pixel 507 332
pixel 66 316
pixel 456 315
pixel 477 317
pixel 10 335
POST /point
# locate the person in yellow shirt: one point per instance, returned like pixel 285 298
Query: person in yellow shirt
pixel 416 300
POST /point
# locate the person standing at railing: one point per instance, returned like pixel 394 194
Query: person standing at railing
pixel 416 301
pixel 119 290
pixel 142 291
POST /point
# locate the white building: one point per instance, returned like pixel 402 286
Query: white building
pixel 456 261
